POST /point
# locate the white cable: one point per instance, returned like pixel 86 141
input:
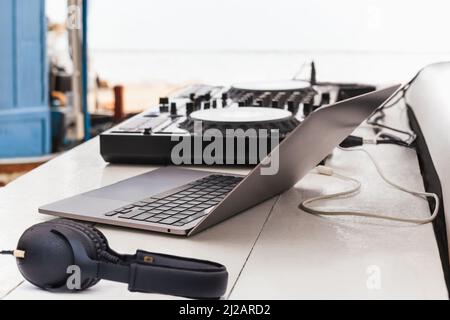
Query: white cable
pixel 357 186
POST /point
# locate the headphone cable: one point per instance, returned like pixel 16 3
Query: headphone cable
pixel 356 141
pixel 322 170
pixel 16 253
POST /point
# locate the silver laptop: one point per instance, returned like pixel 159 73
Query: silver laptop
pixel 183 202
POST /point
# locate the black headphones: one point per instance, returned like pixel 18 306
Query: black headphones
pixel 48 250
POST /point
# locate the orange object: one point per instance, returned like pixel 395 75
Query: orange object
pixel 118 103
pixel 59 96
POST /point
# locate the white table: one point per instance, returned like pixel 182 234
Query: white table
pixel 272 251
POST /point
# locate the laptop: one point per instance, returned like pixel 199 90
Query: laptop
pixel 183 201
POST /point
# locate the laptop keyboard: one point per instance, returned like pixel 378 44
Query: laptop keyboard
pixel 181 205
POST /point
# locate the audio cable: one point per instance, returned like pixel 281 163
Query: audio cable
pixel 16 253
pixel 375 119
pixel 355 141
pixel 389 138
pixel 327 171
pixel 312 76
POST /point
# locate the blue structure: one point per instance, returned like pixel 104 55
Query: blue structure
pixel 84 72
pixel 24 111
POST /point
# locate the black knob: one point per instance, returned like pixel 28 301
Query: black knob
pixel 325 98
pixel 173 109
pixel 266 99
pixel 281 97
pixel 307 108
pixel 275 104
pixel 206 105
pixel 297 96
pixel 189 108
pixel 249 100
pixel 214 104
pixel 291 106
pixel 225 96
pixel 163 100
pixel 197 105
pixel 163 104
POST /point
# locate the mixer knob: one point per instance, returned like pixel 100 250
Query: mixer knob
pixel 266 99
pixel 307 108
pixel 206 105
pixel 214 104
pixel 189 108
pixel 164 100
pixel 163 104
pixel 197 104
pixel 173 109
pixel 275 104
pixel 292 106
pixel 249 99
pixel 281 97
pixel 325 98
pixel 259 102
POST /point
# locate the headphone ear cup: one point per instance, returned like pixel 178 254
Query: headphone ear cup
pixel 97 238
pixel 48 255
pixel 95 242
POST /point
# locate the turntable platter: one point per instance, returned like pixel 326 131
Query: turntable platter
pixel 286 85
pixel 241 115
pixel 242 118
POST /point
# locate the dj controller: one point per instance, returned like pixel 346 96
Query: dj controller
pixel 152 136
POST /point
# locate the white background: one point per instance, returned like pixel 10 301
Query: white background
pixel 233 40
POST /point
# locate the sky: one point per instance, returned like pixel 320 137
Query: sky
pixel 219 41
pixel 267 25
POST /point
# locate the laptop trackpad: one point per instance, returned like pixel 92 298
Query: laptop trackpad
pixel 147 184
